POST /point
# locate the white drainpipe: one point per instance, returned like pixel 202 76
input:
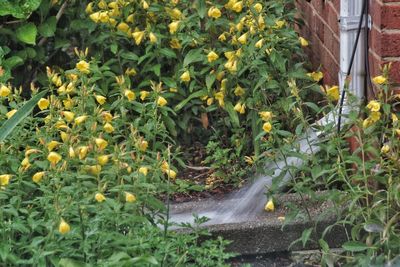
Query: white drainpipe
pixel 350 11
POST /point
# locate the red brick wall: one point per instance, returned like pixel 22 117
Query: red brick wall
pixel 385 37
pixel 321 28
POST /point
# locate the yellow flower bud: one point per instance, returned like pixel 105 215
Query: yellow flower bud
pixel 25 162
pixel 123 27
pixel 237 7
pixel 4 91
pixel 212 56
pixel 385 149
pixel 89 8
pixel 82 152
pixel 144 95
pixel 108 128
pixel 43 103
pixel 303 41
pixel 222 37
pixel 280 23
pixel 54 158
pixel 37 177
pixel 94 169
pixel 11 113
pixel 102 160
pixel 80 119
pixel 173 26
pixel 107 117
pixel 99 197
pixel 100 99
pixel 153 38
pixel 52 144
pixel 175 44
pixel 210 101
pixel 161 101
pixel 129 197
pixel 239 91
pixel 130 94
pixel 69 116
pixel 71 152
pixel 138 36
pixel 145 5
pixel 83 67
pixel 259 43
pixel 64 227
pixel 171 174
pixel 175 14
pixel 243 38
pixel 316 76
pixel 130 18
pixel 265 115
pixel 185 77
pixel 269 206
pixel 333 93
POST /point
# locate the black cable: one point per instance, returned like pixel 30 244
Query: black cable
pixel 367 69
pixel 351 62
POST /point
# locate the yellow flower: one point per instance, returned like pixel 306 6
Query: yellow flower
pixel 102 160
pixel 143 145
pixel 375 116
pixel 237 7
pixel 80 119
pixel 210 100
pixel 267 127
pixel 138 36
pixel 269 206
pixel 220 75
pixel 71 152
pixel 394 118
pixel 239 91
pixel 261 22
pixel 222 37
pixel 161 101
pixel 101 143
pixel 107 116
pixel 258 7
pixel 37 177
pixel 173 26
pixel 68 103
pixel 175 44
pixel 212 56
pixel 130 94
pixel 280 23
pixel 43 103
pixel 144 170
pixel 243 38
pixel 220 97
pixel 145 5
pixel 241 108
pixel 5 179
pixel 367 122
pixel 108 128
pixel 171 174
pixel 102 4
pixel 379 79
pixel 333 93
pixel 185 77
pixel 82 152
pixel 99 197
pixel 385 149
pixel 214 12
pixel 164 166
pixel 54 158
pixel 52 144
pixel 94 169
pixel 129 197
pixel 4 91
pixel 11 113
pixel 265 115
pixel 68 115
pixel 130 18
pixel 249 160
pixel 64 136
pixel 95 17
pixel 231 65
pixel 64 227
pixel 374 105
pixel 303 41
pixel 89 8
pixel 144 95
pixel 316 76
pixel 83 66
pixel 153 38
pixel 175 13
pixel 100 99
pixel 259 43
pixel 130 72
pixel 123 27
pixel 25 162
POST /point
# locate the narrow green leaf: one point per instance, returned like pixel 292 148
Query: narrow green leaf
pixel 355 246
pixel 184 102
pixel 305 236
pixel 195 55
pixel 19 116
pixel 232 114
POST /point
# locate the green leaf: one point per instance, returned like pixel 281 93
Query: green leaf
pixel 195 55
pixel 355 246
pixel 210 79
pixel 48 28
pixel 305 236
pixel 129 56
pixel 324 245
pixel 13 61
pixel 184 102
pixel 19 116
pixel 167 52
pixel 201 8
pixel 145 259
pixel 18 10
pixel 232 114
pixel 66 262
pixel 27 33
pixel 156 69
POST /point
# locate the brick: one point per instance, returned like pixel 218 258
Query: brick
pixel 385 43
pixel 385 16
